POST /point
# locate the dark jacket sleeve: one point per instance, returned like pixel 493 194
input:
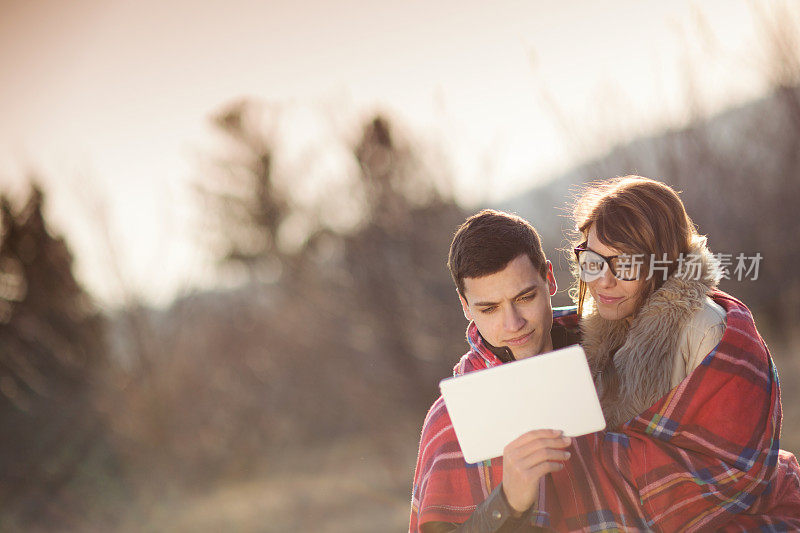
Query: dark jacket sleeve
pixel 494 515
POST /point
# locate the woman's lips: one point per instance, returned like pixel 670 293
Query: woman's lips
pixel 519 340
pixel 609 300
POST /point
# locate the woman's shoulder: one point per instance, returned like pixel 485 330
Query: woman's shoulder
pixel 710 315
pixel 703 331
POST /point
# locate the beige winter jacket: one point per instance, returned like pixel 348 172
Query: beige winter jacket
pixel 698 338
pixel 634 364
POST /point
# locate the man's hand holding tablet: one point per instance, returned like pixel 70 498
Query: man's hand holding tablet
pixel 526 460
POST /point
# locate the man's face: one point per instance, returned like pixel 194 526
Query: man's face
pixel 512 307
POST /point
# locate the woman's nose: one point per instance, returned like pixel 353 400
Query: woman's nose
pixel 607 279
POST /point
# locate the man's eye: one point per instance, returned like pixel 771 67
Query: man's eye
pixel 487 310
pixel 527 297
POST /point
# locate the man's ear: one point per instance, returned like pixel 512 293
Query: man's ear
pixel 465 307
pixel 551 279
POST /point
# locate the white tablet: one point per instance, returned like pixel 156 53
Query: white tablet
pixel 490 408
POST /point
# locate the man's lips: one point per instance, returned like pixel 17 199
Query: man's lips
pixel 519 340
pixel 609 299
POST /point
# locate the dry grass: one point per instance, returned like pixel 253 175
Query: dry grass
pixel 341 487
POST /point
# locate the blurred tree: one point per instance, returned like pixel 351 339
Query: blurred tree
pixel 393 177
pixel 243 199
pixel 398 258
pixel 368 325
pixel 51 344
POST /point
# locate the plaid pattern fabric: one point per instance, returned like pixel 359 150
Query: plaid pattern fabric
pixel 446 488
pixel 705 457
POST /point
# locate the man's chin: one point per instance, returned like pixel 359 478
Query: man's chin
pixel 523 353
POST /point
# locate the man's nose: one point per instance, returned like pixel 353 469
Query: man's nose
pixel 512 319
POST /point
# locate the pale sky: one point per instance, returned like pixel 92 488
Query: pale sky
pixel 109 100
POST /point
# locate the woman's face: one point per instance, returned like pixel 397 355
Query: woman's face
pixel 615 298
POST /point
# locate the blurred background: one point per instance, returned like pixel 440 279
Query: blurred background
pixel 224 303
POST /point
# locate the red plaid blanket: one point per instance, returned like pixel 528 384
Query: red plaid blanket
pixel 705 457
pixel 446 488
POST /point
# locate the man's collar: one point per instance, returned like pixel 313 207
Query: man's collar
pixel 503 353
pixel 560 334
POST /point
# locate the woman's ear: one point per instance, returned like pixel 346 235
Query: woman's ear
pixel 551 279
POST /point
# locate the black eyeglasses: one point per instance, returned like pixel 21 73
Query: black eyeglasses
pixel 623 266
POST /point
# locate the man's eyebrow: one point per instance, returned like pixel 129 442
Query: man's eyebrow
pixel 520 293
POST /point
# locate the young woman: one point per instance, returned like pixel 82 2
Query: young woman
pixel 644 279
pixel 686 383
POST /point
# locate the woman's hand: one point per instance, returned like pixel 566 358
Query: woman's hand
pixel 526 460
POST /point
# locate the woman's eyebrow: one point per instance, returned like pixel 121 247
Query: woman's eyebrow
pixel 601 255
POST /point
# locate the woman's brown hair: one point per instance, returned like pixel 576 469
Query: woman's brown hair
pixel 634 215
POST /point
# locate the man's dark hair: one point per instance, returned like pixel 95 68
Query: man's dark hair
pixel 487 241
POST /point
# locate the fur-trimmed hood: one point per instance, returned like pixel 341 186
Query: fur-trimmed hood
pixel 632 361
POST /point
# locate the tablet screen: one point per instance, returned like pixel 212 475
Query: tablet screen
pixel 490 408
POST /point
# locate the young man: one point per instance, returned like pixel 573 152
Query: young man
pixel 504 283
